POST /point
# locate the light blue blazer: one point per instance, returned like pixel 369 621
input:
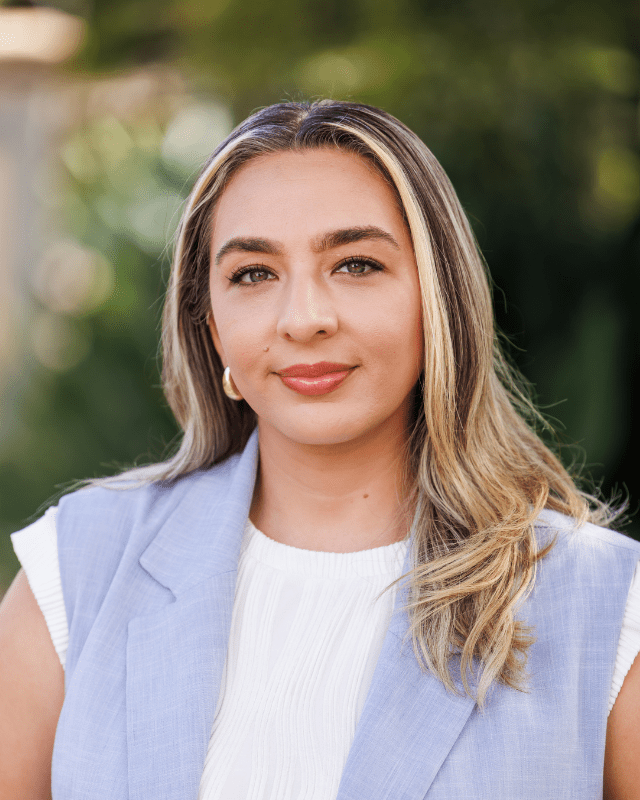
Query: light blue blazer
pixel 148 577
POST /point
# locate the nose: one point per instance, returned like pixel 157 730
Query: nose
pixel 308 310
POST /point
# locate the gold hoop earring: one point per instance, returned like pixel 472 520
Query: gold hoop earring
pixel 229 387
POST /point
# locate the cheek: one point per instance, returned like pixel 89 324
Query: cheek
pixel 242 341
pixel 396 333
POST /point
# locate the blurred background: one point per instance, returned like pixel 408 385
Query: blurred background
pixel 109 107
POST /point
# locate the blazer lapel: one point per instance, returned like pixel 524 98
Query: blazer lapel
pixel 175 661
pixel 176 656
pixel 408 725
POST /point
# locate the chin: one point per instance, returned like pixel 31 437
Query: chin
pixel 320 432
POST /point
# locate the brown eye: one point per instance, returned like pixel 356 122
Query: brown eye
pixel 359 266
pixel 255 275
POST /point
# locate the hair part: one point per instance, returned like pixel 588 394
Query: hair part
pixel 479 474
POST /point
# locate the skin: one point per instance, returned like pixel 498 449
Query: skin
pixel 622 753
pixel 334 458
pixel 330 473
pixel 31 695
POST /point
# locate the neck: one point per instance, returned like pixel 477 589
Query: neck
pixel 339 498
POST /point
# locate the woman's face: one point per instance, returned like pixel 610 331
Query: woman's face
pixel 312 262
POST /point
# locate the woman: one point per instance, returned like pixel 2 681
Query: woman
pixel 348 419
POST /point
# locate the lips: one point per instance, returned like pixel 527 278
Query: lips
pixel 315 379
pixel 313 370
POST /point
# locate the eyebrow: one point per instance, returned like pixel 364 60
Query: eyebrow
pixel 327 241
pixel 350 235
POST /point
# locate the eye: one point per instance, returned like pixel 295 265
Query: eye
pixel 358 265
pixel 257 274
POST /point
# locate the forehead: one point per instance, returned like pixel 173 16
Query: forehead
pixel 305 192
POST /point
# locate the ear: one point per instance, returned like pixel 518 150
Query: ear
pixel 216 339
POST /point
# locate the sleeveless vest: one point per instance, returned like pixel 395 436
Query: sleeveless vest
pixel 148 577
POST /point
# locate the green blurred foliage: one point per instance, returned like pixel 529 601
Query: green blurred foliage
pixel 531 106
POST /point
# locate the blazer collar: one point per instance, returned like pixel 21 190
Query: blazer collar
pixel 202 535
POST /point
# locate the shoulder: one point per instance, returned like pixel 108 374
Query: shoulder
pixel 588 538
pixel 588 568
pixel 122 506
pixel 161 527
pixel 101 527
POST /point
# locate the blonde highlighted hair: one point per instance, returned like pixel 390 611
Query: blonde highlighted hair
pixel 479 473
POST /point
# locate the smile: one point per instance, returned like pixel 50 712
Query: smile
pixel 323 384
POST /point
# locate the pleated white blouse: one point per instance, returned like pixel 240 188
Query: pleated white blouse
pixel 306 633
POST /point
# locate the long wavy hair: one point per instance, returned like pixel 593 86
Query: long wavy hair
pixel 479 473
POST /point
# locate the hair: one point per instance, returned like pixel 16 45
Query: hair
pixel 479 473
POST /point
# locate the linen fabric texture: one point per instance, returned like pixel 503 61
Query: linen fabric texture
pixel 36 547
pixel 148 578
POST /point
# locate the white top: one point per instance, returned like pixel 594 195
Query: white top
pixel 306 633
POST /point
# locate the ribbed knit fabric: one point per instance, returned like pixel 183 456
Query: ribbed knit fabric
pixel 305 638
pixel 629 642
pixel 306 633
pixel 36 547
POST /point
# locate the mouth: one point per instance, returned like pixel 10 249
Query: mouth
pixel 313 370
pixel 309 384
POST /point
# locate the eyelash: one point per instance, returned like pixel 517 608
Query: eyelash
pixel 237 275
